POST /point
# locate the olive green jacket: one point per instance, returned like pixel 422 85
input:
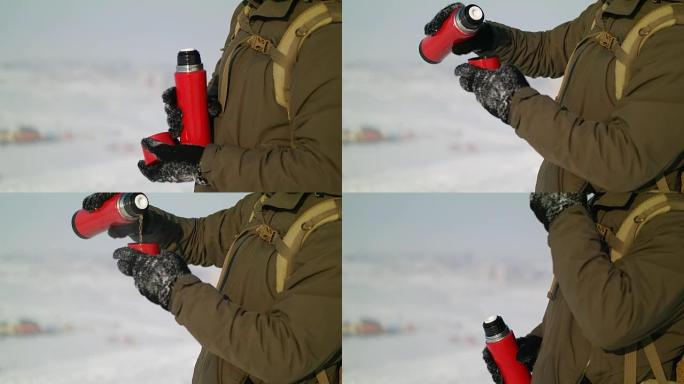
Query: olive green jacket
pixel 248 332
pixel 602 310
pixel 255 146
pixel 589 140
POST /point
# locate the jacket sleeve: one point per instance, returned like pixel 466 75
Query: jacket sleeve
pixel 617 305
pixel 639 143
pixel 313 161
pixel 545 54
pixel 538 330
pixel 296 337
pixel 205 241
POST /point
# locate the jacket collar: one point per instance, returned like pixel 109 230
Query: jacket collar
pixel 622 7
pixel 272 9
pixel 612 200
pixel 286 201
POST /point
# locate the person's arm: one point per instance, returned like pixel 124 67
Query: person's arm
pixel 544 54
pixel 299 334
pixel 538 330
pixel 313 162
pixel 642 139
pixel 205 241
pixel 617 305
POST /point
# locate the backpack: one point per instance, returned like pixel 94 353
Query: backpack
pixel 284 55
pixel 620 242
pixel 288 246
pixel 661 18
pixel 626 53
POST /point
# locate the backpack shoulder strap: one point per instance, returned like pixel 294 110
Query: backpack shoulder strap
pixel 626 53
pixel 658 204
pixel 663 17
pixel 285 55
pixel 322 213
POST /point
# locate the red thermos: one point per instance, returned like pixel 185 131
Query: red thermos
pixel 463 23
pixel 460 26
pixel 501 344
pixel 122 208
pixel 491 63
pixel 151 249
pixel 191 91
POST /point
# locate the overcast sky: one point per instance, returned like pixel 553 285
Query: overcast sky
pixel 106 30
pixel 153 30
pixel 484 224
pixel 41 222
pixel 389 30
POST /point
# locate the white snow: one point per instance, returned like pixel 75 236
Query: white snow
pixel 446 297
pixel 108 108
pixel 458 146
pixel 110 333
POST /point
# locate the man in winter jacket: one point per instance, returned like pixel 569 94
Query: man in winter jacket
pixel 258 144
pixel 250 331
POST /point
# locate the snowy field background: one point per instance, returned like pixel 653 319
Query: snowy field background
pixel 461 259
pixel 104 330
pixel 456 145
pixel 101 111
pixel 95 72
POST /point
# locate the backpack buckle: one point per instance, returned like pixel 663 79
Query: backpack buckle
pixel 603 230
pixel 267 233
pixel 606 40
pixel 260 44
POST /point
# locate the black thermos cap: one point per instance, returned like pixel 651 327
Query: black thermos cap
pixel 467 19
pixel 189 57
pixel 494 327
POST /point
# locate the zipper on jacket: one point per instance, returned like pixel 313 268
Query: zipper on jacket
pixel 584 372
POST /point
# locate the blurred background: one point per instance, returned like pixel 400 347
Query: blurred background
pixel 81 84
pixel 408 125
pixel 67 315
pixel 421 274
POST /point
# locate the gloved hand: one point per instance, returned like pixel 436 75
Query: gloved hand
pixel 153 275
pixel 547 206
pixel 488 38
pixel 95 200
pixel 493 89
pixel 157 226
pixel 174 116
pixel 176 163
pixel 528 350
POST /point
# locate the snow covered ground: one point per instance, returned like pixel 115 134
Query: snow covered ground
pixel 100 112
pixel 107 332
pixel 441 263
pixel 457 145
pixel 102 329
pixel 446 298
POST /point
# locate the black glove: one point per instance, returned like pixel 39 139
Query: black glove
pixel 95 201
pixel 158 227
pixel 528 350
pixel 153 275
pixel 174 116
pixel 488 38
pixel 547 206
pixel 493 89
pixel 176 163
